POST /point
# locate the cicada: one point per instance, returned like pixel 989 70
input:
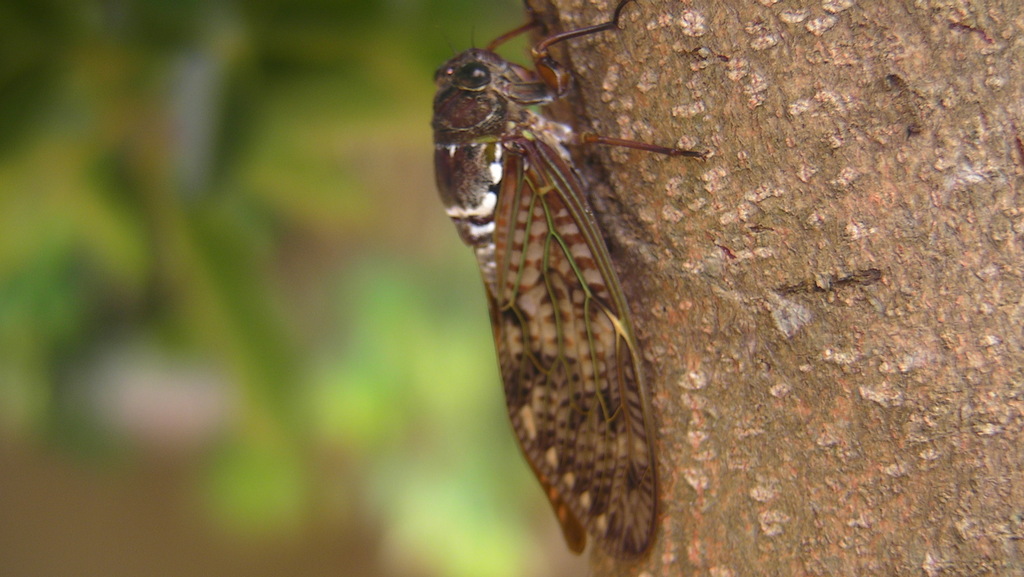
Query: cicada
pixel 568 355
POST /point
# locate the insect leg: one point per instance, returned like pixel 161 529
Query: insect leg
pixel 553 73
pixel 533 23
pixel 590 138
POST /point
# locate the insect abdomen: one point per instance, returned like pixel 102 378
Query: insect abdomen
pixel 468 178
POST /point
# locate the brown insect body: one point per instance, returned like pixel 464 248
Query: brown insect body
pixel 568 355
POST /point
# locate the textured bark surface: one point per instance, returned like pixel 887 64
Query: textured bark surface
pixel 831 306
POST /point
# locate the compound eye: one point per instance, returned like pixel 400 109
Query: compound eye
pixel 473 76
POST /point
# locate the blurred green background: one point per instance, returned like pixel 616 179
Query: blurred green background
pixel 238 336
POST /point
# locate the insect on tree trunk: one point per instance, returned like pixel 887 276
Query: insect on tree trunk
pixel 830 307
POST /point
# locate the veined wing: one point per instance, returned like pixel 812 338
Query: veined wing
pixel 568 356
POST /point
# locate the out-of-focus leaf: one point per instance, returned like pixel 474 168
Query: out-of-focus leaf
pixel 255 489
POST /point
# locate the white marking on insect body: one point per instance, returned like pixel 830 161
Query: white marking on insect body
pixel 530 276
pixel 551 456
pixel 485 208
pixel 585 500
pixel 526 415
pixel 638 445
pixel 530 301
pixel 579 249
pixel 535 251
pixel 496 171
pixel 478 231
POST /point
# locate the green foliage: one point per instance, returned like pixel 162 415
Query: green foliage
pixel 255 490
pixel 419 406
pixel 208 178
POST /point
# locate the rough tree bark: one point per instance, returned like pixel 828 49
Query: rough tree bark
pixel 831 306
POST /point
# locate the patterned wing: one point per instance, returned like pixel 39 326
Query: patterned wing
pixel 568 356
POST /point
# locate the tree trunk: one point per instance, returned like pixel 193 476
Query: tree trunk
pixel 830 307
